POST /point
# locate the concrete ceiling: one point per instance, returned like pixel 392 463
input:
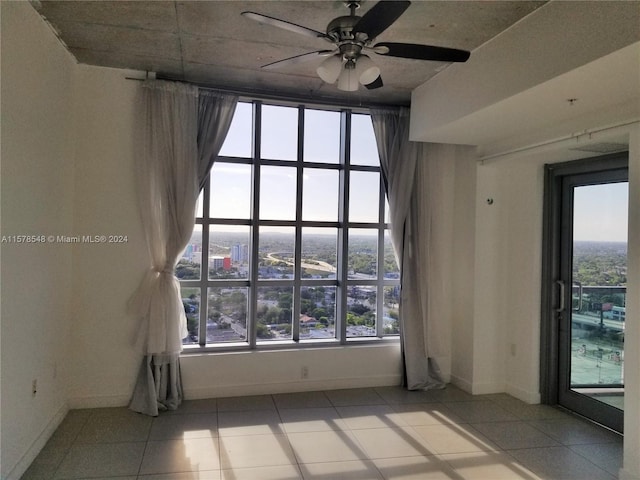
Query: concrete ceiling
pixel 566 69
pixel 209 42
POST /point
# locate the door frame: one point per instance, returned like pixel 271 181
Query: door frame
pixel 555 174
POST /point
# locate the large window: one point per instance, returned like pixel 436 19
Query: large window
pixel 291 242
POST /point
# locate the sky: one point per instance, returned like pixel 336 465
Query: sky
pixel 601 212
pixel 278 184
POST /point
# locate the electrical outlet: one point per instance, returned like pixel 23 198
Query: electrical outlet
pixel 304 372
pixel 34 387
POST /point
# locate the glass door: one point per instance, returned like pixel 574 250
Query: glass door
pixel 591 294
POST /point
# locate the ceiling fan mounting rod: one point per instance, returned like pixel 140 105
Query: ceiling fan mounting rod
pixel 352 6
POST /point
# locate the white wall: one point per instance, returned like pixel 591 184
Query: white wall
pixel 104 359
pixel 69 136
pixel 37 199
pixel 278 371
pixel 508 249
pixel 462 270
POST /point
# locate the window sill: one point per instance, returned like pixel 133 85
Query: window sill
pixel 233 348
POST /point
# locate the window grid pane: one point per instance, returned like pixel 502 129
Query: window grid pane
pixel 295 296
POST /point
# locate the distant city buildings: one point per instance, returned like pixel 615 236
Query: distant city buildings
pixel 218 262
pixel 193 253
pixel 239 254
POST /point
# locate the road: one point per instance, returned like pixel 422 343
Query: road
pixel 322 266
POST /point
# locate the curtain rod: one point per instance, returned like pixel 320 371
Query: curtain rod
pixel 264 95
pixel 567 138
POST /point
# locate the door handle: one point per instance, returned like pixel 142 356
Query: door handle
pixel 560 308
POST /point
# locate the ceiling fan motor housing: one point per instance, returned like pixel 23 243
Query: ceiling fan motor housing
pixel 341 31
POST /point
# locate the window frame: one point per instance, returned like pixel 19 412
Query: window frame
pixel 342 282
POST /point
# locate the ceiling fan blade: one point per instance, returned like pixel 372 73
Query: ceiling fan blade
pixel 422 52
pixel 377 83
pixel 305 57
pixel 292 27
pixel 380 17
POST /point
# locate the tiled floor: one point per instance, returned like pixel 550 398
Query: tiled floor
pixel 374 433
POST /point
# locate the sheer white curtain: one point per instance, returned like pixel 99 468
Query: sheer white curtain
pixel 167 184
pixel 415 176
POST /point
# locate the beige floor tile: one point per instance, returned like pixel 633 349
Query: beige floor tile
pixel 247 451
pixel 184 426
pixel 205 405
pixel 252 402
pixel 488 466
pixel 188 455
pixel 301 400
pixel 450 393
pixel 352 470
pixel 607 456
pixel 278 472
pixel 132 477
pixel 311 419
pixel 573 431
pixel 525 411
pixel 101 460
pixel 115 425
pixel 354 396
pixel 559 463
pixel 351 434
pixel 68 430
pixel 331 446
pixel 415 468
pixel 435 413
pixel 46 463
pixel 399 395
pixel 250 422
pixel 211 475
pixel 481 411
pixel 370 416
pixel 392 442
pixel 454 439
pixel 510 435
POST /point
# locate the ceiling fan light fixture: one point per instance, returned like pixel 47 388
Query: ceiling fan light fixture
pixel 366 70
pixel 348 80
pixel 330 69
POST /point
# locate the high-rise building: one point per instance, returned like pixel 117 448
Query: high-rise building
pixel 239 253
pixel 217 262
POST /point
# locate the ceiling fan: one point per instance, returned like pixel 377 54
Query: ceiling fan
pixel 348 61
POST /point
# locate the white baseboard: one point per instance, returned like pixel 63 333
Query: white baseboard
pixel 626 475
pixel 486 388
pixel 27 459
pixel 217 391
pixel 524 395
pixel 100 401
pixel 462 383
pixel 195 393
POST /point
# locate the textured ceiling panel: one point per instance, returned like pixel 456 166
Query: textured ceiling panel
pixel 210 42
